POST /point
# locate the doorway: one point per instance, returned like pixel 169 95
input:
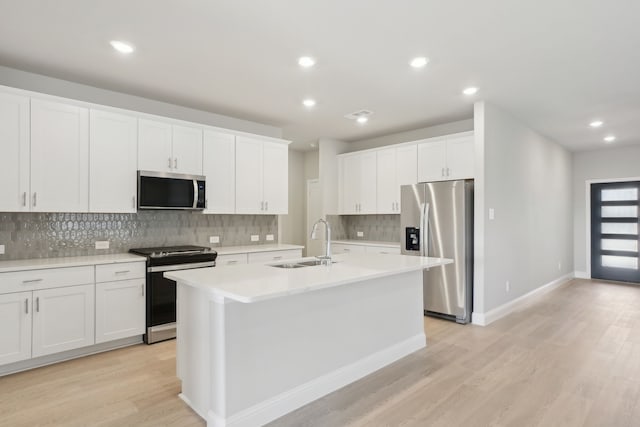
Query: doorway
pixel 314 212
pixel 615 220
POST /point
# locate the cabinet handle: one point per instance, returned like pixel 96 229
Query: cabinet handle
pixel 24 199
pixel 277 257
pixel 447 171
pixel 26 305
pixel 123 271
pixel 169 162
pixel 266 206
pixel 175 163
pixel 142 289
pixel 347 250
pixel 262 205
pixel 133 202
pixel 31 281
pixel 442 172
pixel 232 261
pixel 38 304
pixel 35 198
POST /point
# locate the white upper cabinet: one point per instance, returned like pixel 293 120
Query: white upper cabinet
pixel 395 167
pixel 358 182
pixel 14 152
pixel 154 146
pixel 59 157
pixel 112 162
pixel 275 178
pixel 446 158
pixel 187 150
pixel 219 167
pixel 163 147
pixel 261 177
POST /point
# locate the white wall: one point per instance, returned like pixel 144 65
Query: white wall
pixel 291 227
pixel 57 87
pixel 611 163
pixel 412 135
pixel 527 179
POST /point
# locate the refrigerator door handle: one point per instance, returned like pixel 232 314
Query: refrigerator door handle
pixel 424 230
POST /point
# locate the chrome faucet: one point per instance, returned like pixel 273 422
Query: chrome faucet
pixel 326 259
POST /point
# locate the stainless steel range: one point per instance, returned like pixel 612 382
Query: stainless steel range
pixel 161 292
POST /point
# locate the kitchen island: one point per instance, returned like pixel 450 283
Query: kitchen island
pixel 257 341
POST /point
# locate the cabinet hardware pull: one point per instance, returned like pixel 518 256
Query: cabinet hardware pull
pixel 442 172
pixel 35 199
pixel 266 206
pixel 447 171
pixel 123 271
pixel 169 162
pixel 32 281
pixel 38 304
pixel 277 257
pixel 347 250
pixel 142 289
pixel 175 163
pixel 133 202
pixel 262 205
pixel 26 305
pixel 24 199
pixel 232 261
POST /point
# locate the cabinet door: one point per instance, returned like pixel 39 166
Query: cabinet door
pixel 406 170
pixel 460 157
pixel 187 150
pixel 154 146
pixel 386 187
pixel 432 161
pixel 275 178
pixel 14 152
pixel 63 319
pixel 120 309
pixel 367 183
pixel 249 176
pixel 59 157
pixel 15 327
pixel 219 166
pixel 350 184
pixel 113 162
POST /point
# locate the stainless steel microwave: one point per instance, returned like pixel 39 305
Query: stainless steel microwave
pixel 163 190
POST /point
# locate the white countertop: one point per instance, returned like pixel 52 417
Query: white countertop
pixel 368 243
pixel 61 262
pixel 230 250
pixel 257 282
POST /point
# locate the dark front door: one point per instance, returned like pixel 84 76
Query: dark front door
pixel 614 231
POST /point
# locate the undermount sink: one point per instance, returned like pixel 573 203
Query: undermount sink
pixel 300 264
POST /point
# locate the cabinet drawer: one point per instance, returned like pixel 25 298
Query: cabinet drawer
pixel 231 259
pixel 381 250
pixel 120 271
pixel 341 248
pixel 17 281
pixel 260 257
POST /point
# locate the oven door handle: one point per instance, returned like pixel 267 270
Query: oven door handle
pixel 161 268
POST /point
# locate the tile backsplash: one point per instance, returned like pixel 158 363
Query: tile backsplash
pixel 44 235
pixel 381 228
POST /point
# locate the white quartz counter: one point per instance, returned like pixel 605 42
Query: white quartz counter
pixel 368 243
pixel 61 262
pixel 258 282
pixel 230 250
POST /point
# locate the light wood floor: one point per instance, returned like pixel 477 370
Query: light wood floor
pixel 573 358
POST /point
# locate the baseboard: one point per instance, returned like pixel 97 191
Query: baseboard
pixel 581 275
pixel 484 319
pixel 50 359
pixel 282 404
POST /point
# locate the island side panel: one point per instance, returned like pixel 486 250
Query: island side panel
pixel 319 340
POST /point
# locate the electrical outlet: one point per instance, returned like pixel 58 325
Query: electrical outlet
pixel 102 244
pixel 214 239
pixel 255 237
pixel 507 286
pixel 359 233
pixel 1 249
pixel 492 214
pixel 269 237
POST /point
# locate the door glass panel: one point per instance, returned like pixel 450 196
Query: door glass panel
pixel 619 228
pixel 619 194
pixel 620 211
pixel 619 245
pixel 619 262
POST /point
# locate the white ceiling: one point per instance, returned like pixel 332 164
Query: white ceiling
pixel 555 64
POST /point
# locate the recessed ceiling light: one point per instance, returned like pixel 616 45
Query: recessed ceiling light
pixel 121 46
pixel 596 123
pixel 419 61
pixel 362 119
pixel 470 91
pixel 609 139
pixel 306 61
pixel 309 102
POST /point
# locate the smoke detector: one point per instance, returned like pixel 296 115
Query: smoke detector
pixel 358 114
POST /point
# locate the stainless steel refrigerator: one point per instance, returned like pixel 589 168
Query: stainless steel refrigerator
pixel 437 221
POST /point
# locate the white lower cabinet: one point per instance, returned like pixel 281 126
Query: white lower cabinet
pixel 384 250
pixel 231 259
pixel 63 319
pixel 341 248
pixel 15 327
pixel 354 248
pixel 120 309
pixel 272 256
